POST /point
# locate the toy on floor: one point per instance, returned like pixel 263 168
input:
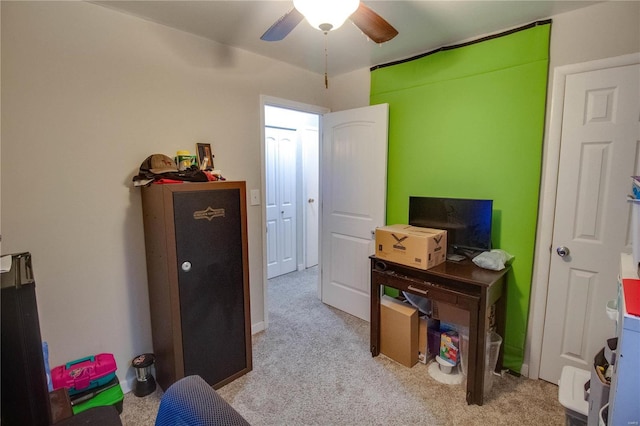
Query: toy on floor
pixel 449 344
pixel 84 373
pixel 445 367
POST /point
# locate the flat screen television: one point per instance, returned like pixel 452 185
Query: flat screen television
pixel 467 221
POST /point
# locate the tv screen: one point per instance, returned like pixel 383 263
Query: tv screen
pixel 467 221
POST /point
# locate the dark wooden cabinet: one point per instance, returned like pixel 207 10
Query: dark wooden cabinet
pixel 198 276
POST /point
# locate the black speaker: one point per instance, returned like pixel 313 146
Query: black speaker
pixel 25 395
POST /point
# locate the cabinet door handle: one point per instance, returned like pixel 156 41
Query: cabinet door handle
pixel 186 266
pixel 419 290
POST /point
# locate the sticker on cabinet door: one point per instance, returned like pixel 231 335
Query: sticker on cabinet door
pixel 209 213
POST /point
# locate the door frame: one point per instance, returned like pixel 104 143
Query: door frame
pixel 546 209
pixel 292 105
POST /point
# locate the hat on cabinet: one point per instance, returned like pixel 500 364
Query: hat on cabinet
pixel 158 164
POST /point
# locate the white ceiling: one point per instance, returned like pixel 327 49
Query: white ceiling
pixel 422 25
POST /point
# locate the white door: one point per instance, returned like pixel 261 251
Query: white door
pixel 280 158
pixel 354 178
pixel 598 154
pixel 310 167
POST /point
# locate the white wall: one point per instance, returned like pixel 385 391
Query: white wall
pixel 87 94
pixel 600 31
pixel 350 90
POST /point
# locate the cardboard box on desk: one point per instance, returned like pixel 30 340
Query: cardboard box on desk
pixel 414 246
pixel 398 331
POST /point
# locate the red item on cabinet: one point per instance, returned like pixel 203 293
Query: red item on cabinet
pixel 631 289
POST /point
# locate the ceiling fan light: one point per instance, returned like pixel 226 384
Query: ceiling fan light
pixel 319 13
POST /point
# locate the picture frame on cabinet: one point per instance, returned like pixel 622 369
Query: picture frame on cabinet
pixel 204 153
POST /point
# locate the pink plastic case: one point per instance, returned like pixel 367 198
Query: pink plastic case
pixel 84 373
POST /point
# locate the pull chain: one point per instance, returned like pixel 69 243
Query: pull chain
pixel 326 61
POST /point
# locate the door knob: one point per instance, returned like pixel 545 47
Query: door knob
pixel 562 251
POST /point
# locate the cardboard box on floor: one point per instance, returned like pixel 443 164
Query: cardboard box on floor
pixel 449 313
pixel 422 248
pixel 426 324
pixel 398 331
pixel 422 339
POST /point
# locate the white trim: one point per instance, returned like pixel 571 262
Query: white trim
pixel 282 103
pixel 127 384
pixel 257 328
pixel 546 212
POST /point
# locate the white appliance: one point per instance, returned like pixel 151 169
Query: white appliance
pixel 624 398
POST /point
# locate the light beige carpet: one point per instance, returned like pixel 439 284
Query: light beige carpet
pixel 312 366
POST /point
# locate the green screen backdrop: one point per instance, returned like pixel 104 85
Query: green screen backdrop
pixel 468 122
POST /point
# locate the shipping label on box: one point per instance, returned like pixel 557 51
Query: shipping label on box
pixel 421 248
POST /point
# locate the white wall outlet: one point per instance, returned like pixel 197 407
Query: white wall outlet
pixel 254 197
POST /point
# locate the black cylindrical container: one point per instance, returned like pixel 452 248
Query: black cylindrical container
pixel 145 383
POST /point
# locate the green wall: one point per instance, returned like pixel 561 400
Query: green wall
pixel 468 122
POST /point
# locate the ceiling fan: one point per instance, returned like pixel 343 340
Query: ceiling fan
pixel 327 15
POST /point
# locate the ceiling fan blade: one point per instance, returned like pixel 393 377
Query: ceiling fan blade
pixel 373 25
pixel 283 26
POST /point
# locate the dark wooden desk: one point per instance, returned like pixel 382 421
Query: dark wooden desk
pixel 462 284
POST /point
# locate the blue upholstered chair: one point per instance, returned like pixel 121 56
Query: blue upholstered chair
pixel 192 402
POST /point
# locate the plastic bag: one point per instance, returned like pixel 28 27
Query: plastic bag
pixel 495 260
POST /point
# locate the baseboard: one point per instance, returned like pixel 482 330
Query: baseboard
pixel 127 384
pixel 257 328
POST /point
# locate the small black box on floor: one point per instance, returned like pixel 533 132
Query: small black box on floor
pixel 108 394
pixel 97 416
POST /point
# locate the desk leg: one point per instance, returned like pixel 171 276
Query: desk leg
pixel 501 315
pixel 375 318
pixel 475 370
pixel 483 329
